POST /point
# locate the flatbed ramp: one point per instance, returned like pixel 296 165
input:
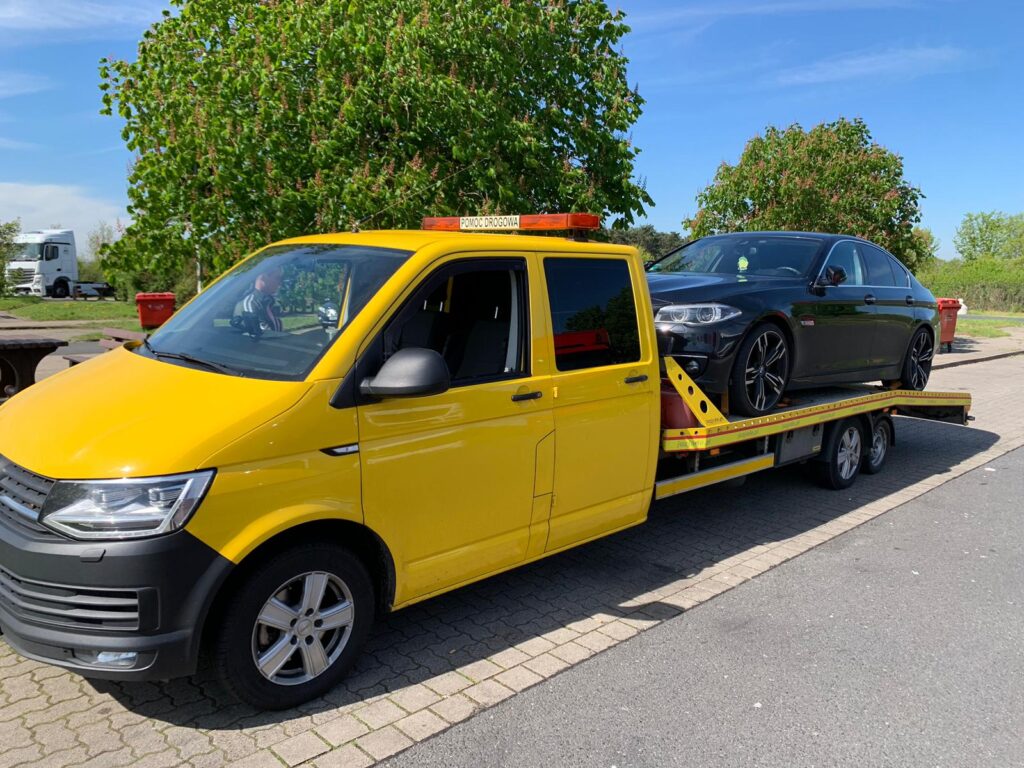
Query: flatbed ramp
pixel 721 447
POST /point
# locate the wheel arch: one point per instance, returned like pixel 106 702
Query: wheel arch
pixel 361 540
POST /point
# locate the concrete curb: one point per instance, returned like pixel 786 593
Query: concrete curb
pixel 956 363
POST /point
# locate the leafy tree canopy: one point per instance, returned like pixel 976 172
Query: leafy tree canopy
pixel 251 122
pixel 990 235
pixel 832 178
pixel 8 231
pixel 650 242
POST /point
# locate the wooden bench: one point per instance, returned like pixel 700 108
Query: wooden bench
pixel 112 339
pixel 19 358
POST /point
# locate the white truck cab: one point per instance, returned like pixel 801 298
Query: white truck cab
pixel 45 263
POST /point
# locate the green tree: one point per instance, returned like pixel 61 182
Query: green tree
pixel 8 231
pixel 256 121
pixel 832 178
pixel 926 246
pixel 650 242
pixel 990 235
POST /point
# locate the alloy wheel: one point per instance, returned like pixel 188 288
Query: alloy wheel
pixel 879 445
pixel 848 458
pixel 302 628
pixel 921 361
pixel 766 370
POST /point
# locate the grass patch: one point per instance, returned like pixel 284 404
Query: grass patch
pixel 980 328
pixel 994 312
pixel 34 308
pixel 95 336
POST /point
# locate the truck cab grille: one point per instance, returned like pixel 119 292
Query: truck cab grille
pixel 22 494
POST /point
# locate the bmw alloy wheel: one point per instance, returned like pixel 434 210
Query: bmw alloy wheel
pixel 921 355
pixel 766 370
pixel 302 628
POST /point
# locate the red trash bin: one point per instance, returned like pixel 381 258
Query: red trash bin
pixel 155 309
pixel 947 321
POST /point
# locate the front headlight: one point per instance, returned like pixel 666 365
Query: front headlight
pixel 696 314
pixel 123 509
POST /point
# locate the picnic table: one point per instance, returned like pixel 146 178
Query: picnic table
pixel 19 357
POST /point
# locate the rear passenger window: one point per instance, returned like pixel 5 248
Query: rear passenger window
pixel 879 266
pixel 593 313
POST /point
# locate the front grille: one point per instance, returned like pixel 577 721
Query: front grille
pixel 68 607
pixel 22 494
pixel 17 276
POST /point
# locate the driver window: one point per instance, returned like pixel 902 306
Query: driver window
pixel 847 255
pixel 50 252
pixel 474 315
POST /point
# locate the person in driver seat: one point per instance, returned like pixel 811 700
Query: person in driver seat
pixel 258 311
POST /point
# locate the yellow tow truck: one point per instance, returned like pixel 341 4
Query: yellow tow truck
pixel 347 424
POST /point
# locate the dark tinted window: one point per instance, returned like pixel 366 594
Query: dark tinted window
pixel 879 265
pixel 593 314
pixel 848 255
pixel 472 313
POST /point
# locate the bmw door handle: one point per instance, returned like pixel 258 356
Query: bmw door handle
pixel 910 301
pixel 636 379
pixel 870 299
pixel 520 397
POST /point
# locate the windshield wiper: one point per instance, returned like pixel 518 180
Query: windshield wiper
pixel 186 358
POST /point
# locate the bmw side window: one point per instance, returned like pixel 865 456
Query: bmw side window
pixel 847 255
pixel 880 267
pixel 593 313
pixel 902 275
pixel 474 315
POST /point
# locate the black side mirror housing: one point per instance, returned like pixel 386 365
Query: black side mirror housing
pixel 832 276
pixel 409 372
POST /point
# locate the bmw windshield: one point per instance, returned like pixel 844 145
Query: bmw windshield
pixel 744 255
pixel 274 315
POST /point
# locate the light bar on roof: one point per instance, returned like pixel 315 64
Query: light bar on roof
pixel 549 222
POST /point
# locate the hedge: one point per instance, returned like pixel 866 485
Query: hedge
pixel 992 284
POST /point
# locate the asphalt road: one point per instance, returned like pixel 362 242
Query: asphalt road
pixel 899 643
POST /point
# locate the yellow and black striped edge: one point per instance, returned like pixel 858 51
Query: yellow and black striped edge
pixel 702 438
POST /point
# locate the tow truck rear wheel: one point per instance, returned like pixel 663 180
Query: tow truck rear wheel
pixel 878 449
pixel 294 626
pixel 842 455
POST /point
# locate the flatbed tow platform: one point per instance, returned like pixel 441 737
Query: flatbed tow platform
pixel 844 430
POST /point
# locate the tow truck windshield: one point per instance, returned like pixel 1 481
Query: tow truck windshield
pixel 274 315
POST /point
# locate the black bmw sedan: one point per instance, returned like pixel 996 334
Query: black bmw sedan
pixel 750 315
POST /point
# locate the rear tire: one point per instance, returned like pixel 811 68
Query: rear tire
pixel 878 448
pixel 917 364
pixel 842 456
pixel 294 626
pixel 760 372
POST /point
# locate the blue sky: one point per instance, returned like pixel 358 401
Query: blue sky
pixel 939 81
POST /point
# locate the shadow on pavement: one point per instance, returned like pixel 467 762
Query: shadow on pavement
pixel 683 535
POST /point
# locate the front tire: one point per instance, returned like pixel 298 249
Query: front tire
pixel 760 372
pixel 294 626
pixel 60 290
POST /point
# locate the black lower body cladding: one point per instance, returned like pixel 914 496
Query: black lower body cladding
pixel 120 610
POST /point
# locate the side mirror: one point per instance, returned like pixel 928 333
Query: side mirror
pixel 408 373
pixel 832 276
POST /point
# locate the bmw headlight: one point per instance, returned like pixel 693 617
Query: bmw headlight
pixel 696 314
pixel 123 509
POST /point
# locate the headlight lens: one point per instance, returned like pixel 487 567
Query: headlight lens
pixel 123 509
pixel 696 314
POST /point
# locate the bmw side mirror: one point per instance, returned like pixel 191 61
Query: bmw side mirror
pixel 409 372
pixel 832 276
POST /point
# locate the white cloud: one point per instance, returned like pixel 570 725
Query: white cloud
pixel 15 144
pixel 899 63
pixel 44 15
pixel 19 83
pixel 40 205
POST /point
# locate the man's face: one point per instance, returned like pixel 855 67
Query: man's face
pixel 270 281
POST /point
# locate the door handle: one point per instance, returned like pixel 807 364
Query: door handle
pixel 870 299
pixel 910 301
pixel 636 379
pixel 520 397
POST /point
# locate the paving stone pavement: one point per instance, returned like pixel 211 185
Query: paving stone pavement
pixel 445 660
